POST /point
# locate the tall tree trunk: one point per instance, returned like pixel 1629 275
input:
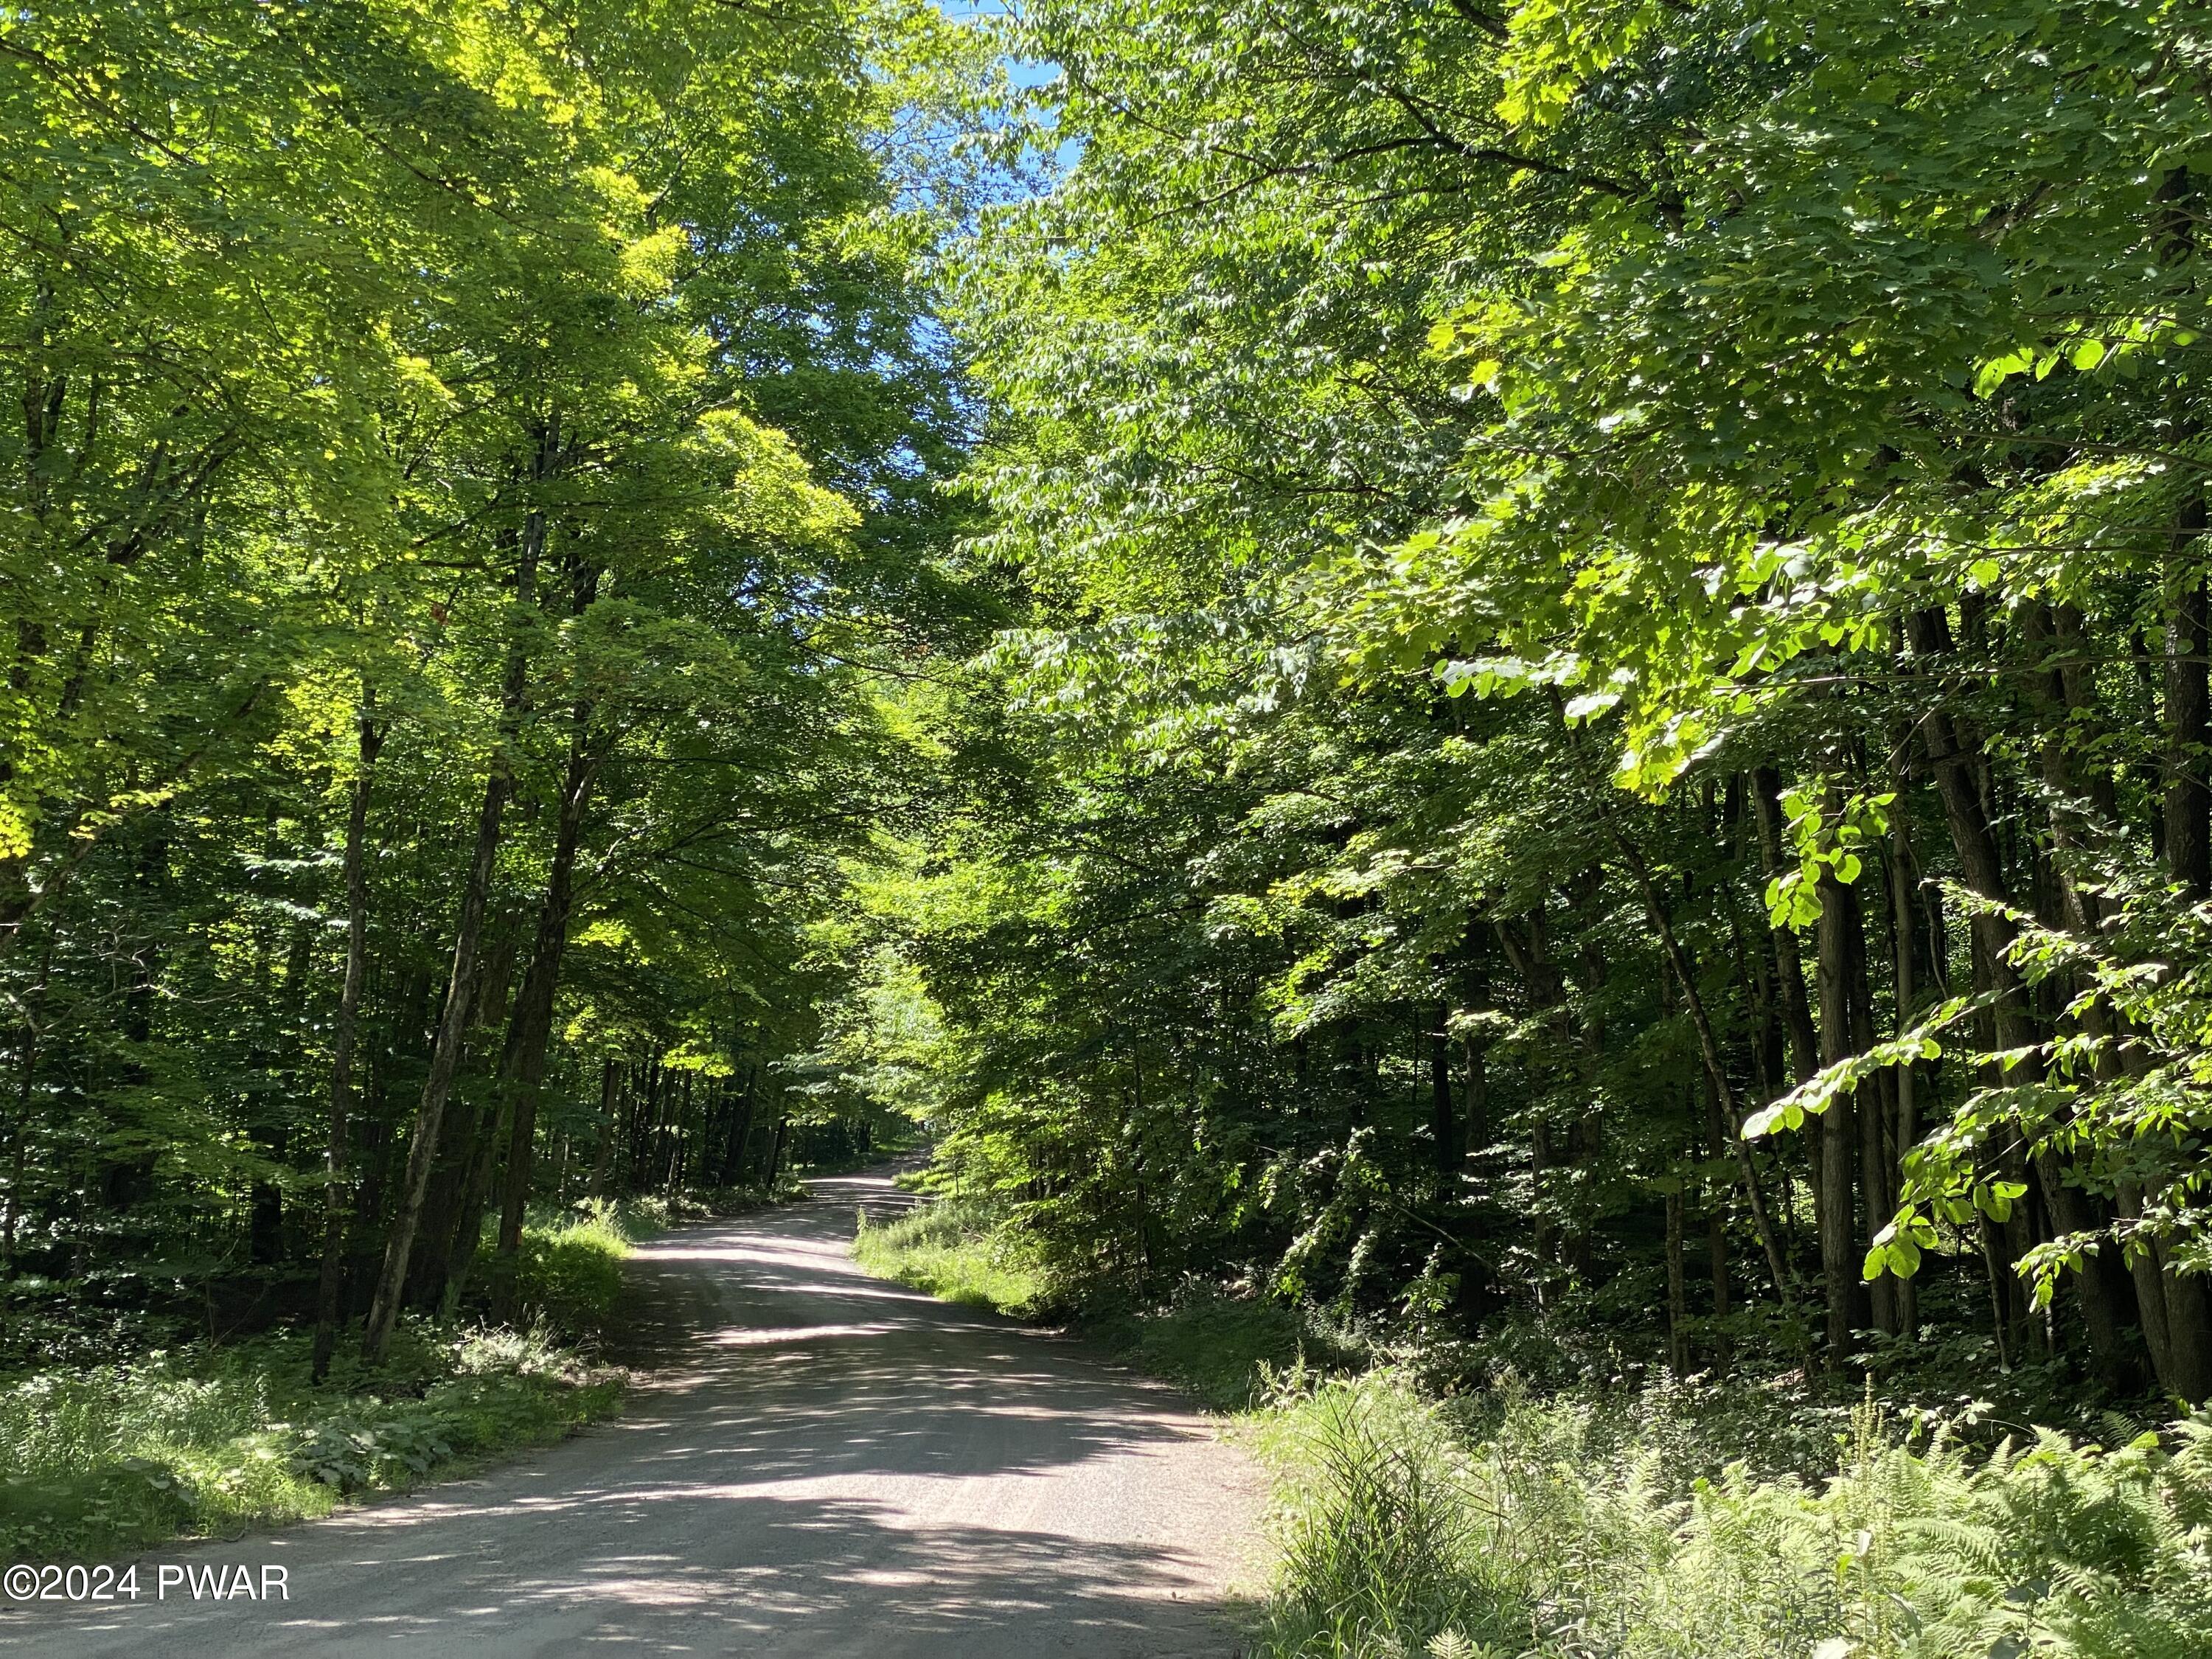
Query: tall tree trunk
pixel 1716 1074
pixel 2188 805
pixel 1443 1107
pixel 1873 1111
pixel 1477 1111
pixel 1547 990
pixel 1833 1189
pixel 445 1062
pixel 1903 932
pixel 1717 1247
pixel 775 1150
pixel 1950 759
pixel 1678 1301
pixel 474 1193
pixel 741 1125
pixel 530 1034
pixel 2110 1301
pixel 1790 966
pixel 461 1172
pixel 609 1126
pixel 452 1024
pixel 331 1279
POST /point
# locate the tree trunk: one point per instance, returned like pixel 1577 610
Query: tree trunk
pixel 1716 1074
pixel 474 1193
pixel 530 1032
pixel 1678 1303
pixel 2188 805
pixel 1547 990
pixel 445 1062
pixel 1716 1222
pixel 1873 1112
pixel 609 1126
pixel 1833 1189
pixel 741 1128
pixel 335 1208
pixel 1903 932
pixel 2188 820
pixel 1443 1110
pixel 469 1144
pixel 452 1025
pixel 1993 935
pixel 1477 1113
pixel 1790 966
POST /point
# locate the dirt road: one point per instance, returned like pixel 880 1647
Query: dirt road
pixel 824 1466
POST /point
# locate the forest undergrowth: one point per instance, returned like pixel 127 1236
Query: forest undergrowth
pixel 1636 1527
pixel 205 1439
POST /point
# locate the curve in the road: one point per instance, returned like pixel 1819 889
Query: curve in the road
pixel 821 1465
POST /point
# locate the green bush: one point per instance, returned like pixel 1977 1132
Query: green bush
pixel 569 1275
pixel 1221 1347
pixel 1559 1536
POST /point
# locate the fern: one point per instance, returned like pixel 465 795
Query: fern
pixel 1554 1535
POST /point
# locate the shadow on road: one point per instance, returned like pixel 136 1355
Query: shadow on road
pixel 822 1465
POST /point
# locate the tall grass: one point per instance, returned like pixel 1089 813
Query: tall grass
pixel 1555 1534
pixel 955 1251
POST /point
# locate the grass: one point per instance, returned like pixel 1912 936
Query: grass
pixel 952 1251
pixel 1509 1529
pixel 208 1442
pixel 568 1276
pixel 204 1440
pixel 1221 1347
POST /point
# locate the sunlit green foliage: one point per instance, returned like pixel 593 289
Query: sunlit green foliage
pixel 473 464
pixel 952 1251
pixel 1607 734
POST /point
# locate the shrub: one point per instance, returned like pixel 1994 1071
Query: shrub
pixel 569 1276
pixel 1221 1347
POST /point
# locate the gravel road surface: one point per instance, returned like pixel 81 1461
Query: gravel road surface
pixel 819 1465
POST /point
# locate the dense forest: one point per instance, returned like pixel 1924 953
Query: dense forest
pixel 1612 713
pixel 466 460
pixel 1534 679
